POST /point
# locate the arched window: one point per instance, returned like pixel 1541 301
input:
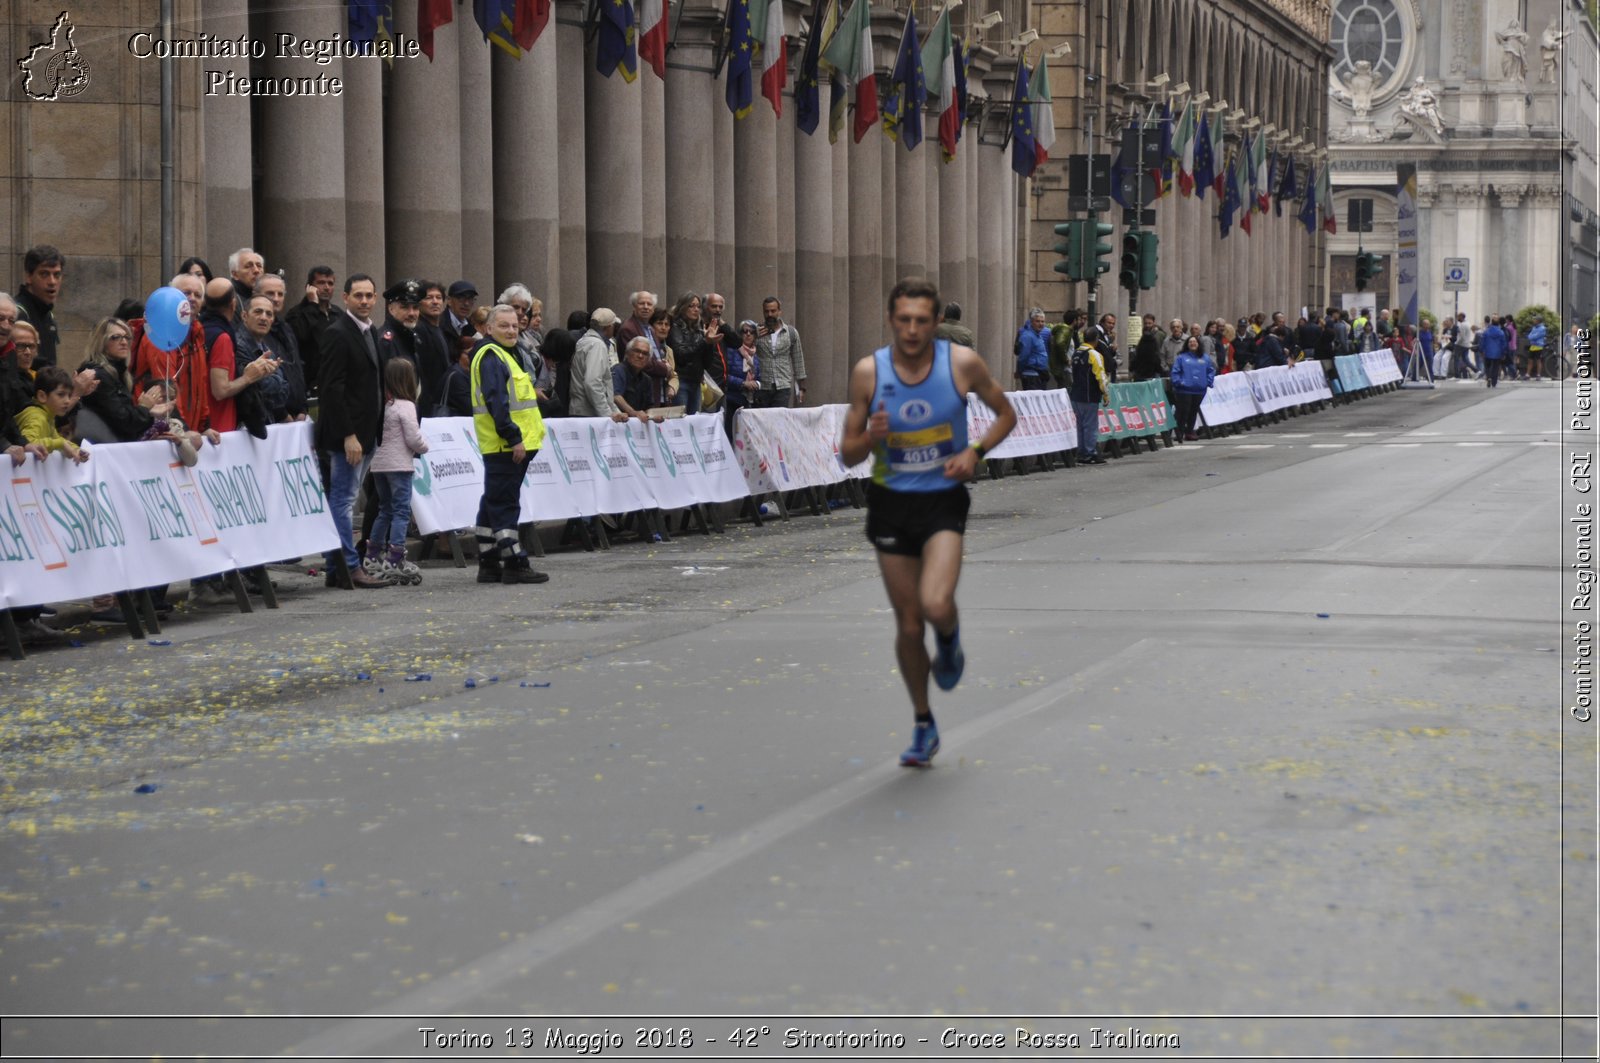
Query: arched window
pixel 1373 30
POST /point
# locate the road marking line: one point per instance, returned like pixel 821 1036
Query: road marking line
pixel 1359 435
pixel 448 993
pixel 1256 446
pixel 1474 444
pixel 1296 435
pixel 1328 446
pixel 1488 432
pixel 1427 433
pixel 1401 445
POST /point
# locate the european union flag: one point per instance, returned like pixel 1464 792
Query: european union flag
pixel 741 88
pixel 1230 202
pixel 1308 212
pixel 910 94
pixel 366 19
pixel 616 45
pixel 1024 148
pixel 807 95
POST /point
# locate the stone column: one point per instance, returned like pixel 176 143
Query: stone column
pixel 814 301
pixel 230 204
pixel 302 147
pixel 571 58
pixel 652 269
pixel 953 210
pixel 867 319
pixel 616 189
pixel 845 352
pixel 725 263
pixel 910 211
pixel 693 100
pixel 995 321
pixel 363 167
pixel 527 185
pixel 784 267
pixel 888 199
pixel 932 215
pixel 422 193
pixel 477 155
pixel 755 207
pixel 1511 293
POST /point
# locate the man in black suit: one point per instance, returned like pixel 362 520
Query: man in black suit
pixel 351 419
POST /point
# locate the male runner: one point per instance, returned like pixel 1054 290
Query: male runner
pixel 908 409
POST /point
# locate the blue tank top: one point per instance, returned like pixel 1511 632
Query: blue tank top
pixel 927 424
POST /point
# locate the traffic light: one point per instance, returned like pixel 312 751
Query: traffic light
pixel 1147 259
pixel 1098 250
pixel 1363 271
pixel 1132 255
pixel 1071 250
pixel 1373 269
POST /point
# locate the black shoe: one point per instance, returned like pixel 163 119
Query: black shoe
pixel 523 574
pixel 489 574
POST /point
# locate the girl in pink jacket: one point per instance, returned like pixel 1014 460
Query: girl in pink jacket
pixel 392 465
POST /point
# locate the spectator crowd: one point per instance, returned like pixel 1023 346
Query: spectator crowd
pixel 366 366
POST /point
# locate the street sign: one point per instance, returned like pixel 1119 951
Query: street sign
pixel 1089 175
pixel 1457 274
pixel 1360 219
pixel 1086 204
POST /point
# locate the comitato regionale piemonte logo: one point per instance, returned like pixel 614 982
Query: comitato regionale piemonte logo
pixel 55 69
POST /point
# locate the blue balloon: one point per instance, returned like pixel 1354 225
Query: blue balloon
pixel 167 315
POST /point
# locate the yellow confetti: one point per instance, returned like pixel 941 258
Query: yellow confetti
pixel 397 920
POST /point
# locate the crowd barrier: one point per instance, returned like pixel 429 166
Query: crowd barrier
pixel 587 466
pixel 1238 397
pixel 133 516
pixel 1136 409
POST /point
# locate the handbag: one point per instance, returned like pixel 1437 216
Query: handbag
pixel 710 394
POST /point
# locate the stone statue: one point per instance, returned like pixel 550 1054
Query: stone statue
pixel 1420 103
pixel 1549 50
pixel 1357 91
pixel 1512 62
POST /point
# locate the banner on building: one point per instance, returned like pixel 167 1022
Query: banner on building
pixel 1228 401
pixel 134 516
pixel 1406 261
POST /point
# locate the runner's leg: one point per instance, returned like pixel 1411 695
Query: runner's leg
pixel 941 571
pixel 901 578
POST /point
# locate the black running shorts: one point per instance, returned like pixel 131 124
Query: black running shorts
pixel 902 522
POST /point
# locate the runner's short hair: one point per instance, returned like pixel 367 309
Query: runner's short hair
pixel 916 288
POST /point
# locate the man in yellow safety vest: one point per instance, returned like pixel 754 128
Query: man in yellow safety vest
pixel 505 418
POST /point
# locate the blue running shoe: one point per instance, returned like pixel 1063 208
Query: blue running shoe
pixel 924 744
pixel 948 663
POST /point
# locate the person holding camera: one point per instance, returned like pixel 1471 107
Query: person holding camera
pixel 782 361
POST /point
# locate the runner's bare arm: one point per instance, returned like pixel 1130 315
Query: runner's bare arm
pixel 863 428
pixel 972 375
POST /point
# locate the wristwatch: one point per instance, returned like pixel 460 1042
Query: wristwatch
pixel 980 450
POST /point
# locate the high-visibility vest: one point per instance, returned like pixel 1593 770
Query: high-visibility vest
pixel 524 406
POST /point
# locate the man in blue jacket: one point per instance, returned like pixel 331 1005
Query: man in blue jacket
pixel 1492 344
pixel 1033 353
pixel 1538 336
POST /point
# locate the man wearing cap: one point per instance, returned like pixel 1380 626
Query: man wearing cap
pixel 461 300
pixel 505 417
pixel 591 369
pixel 402 335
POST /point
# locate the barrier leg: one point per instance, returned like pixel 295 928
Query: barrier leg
pixel 1154 445
pixel 858 497
pixel 341 572
pixel 455 549
pixel 269 597
pixel 13 637
pixel 240 595
pixel 528 534
pixel 600 534
pixel 130 615
pixel 752 504
pixel 147 611
pixel 659 521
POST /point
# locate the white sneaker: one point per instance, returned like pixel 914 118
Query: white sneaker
pixel 36 632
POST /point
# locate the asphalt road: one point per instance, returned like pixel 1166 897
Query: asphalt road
pixel 1261 727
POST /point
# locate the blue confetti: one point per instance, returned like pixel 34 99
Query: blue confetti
pixel 160 642
pixel 363 676
pixel 470 684
pixel 1322 616
pixel 146 788
pixel 420 677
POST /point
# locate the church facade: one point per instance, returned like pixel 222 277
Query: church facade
pixel 1493 103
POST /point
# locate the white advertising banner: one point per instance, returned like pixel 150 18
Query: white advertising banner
pixel 133 516
pixel 1228 400
pixel 587 466
pixel 1380 366
pixel 1310 380
pixel 1045 424
pixel 1271 388
pixel 787 450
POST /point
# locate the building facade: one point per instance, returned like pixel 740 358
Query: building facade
pixel 483 166
pixel 1262 64
pixel 1493 101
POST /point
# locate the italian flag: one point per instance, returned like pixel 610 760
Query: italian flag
pixel 1219 150
pixel 653 35
pixel 1330 221
pixel 774 56
pixel 1183 144
pixel 939 69
pixel 850 53
pixel 1259 181
pixel 1044 112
